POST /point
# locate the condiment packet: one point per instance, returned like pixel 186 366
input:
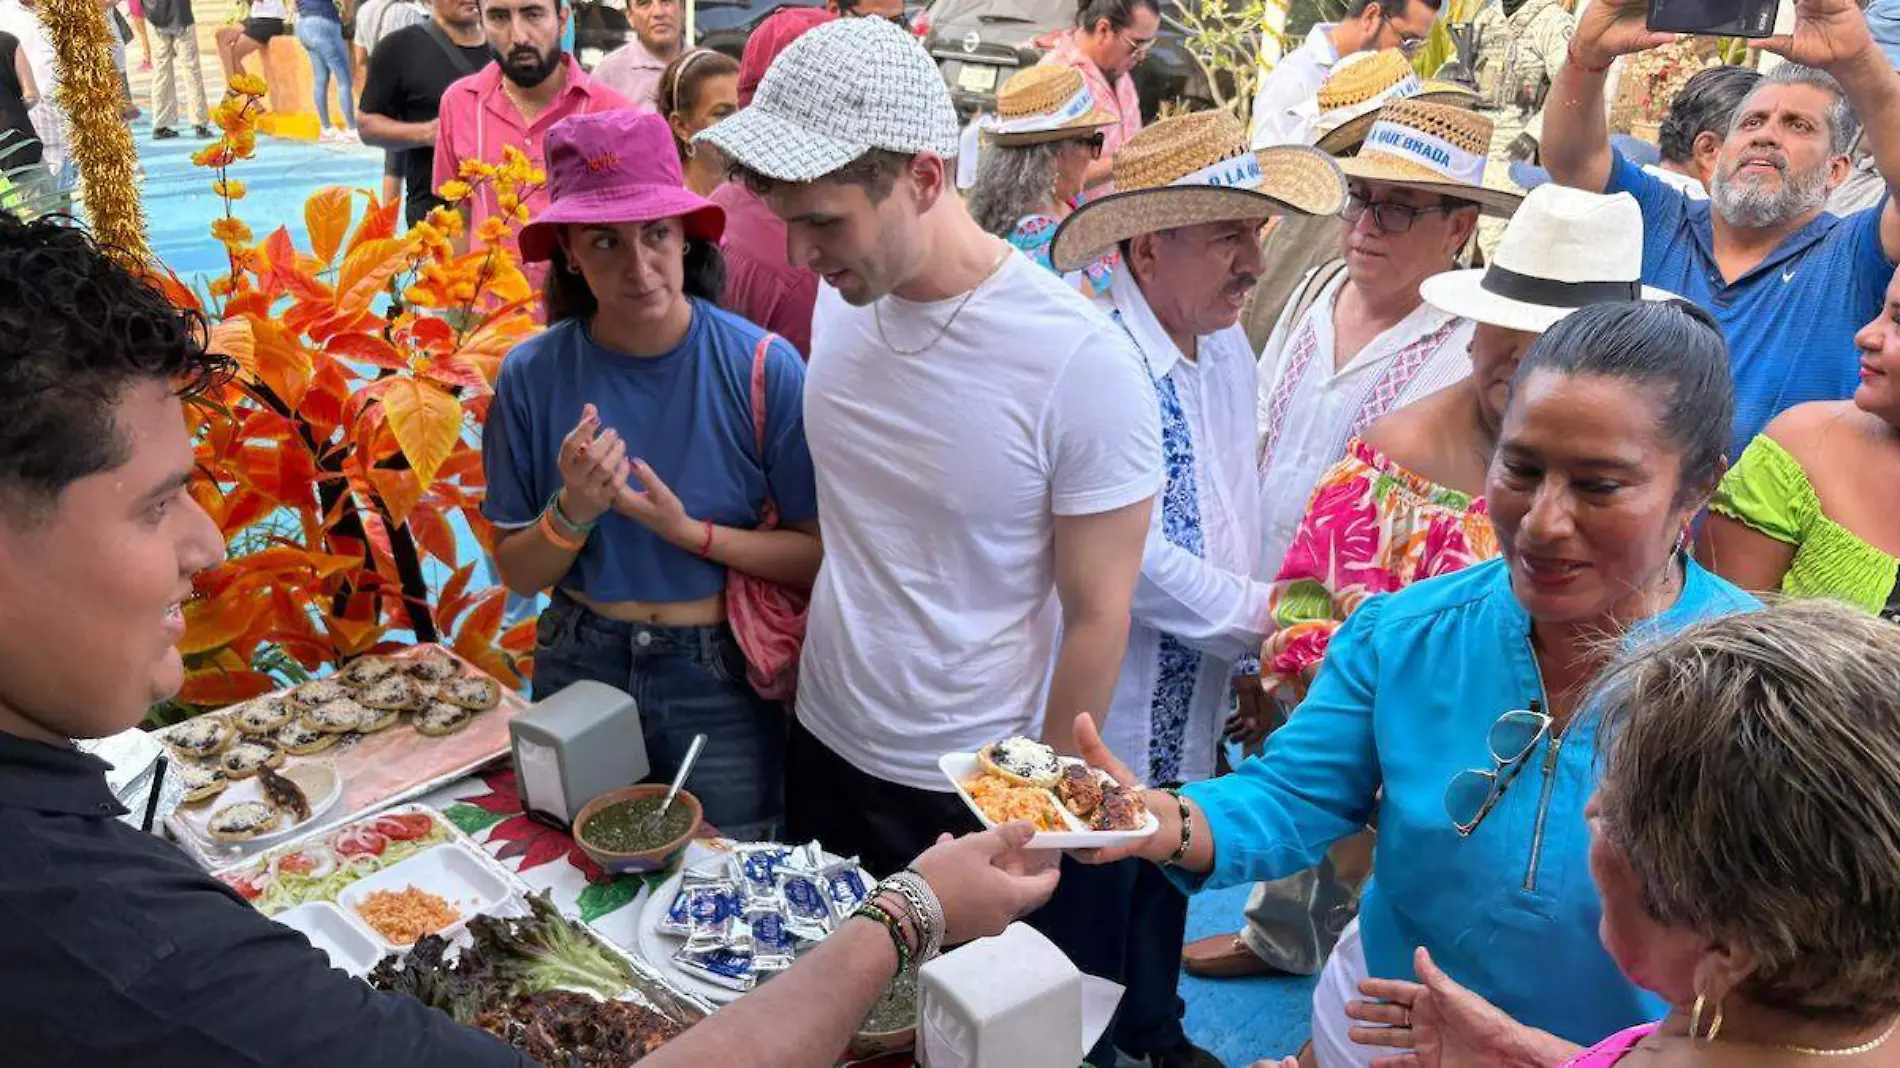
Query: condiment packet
pixel 711 906
pixel 846 886
pixel 773 948
pixel 755 865
pixel 807 907
pixel 718 965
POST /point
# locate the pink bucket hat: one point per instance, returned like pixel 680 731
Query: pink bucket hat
pixel 615 167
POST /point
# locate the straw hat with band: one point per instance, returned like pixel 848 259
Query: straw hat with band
pixel 1044 103
pixel 1360 84
pixel 614 167
pixel 1436 148
pixel 1564 249
pixel 1191 170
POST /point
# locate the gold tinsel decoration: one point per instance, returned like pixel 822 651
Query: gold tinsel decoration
pixel 99 141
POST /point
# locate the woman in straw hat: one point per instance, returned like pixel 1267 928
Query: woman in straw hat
pixel 1407 502
pixel 1447 711
pixel 637 453
pixel 1745 844
pixel 1045 133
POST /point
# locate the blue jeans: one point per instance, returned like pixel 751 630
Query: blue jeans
pixel 323 39
pixel 684 681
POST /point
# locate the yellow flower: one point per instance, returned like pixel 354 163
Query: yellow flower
pixel 537 177
pixel 231 116
pixel 248 85
pixel 243 143
pixel 231 231
pixel 228 187
pixel 492 230
pixel 222 287
pixel 447 220
pixel 454 190
pixel 474 168
pixel 521 214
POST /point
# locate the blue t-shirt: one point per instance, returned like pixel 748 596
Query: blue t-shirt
pixel 687 413
pixel 1790 322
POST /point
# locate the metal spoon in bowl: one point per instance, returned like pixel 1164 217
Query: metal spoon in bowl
pixel 652 821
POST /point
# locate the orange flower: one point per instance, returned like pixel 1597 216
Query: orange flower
pixel 447 220
pixel 248 85
pixel 231 231
pixel 218 155
pixel 493 230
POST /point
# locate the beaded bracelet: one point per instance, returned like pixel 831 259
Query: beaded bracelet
pixel 871 910
pixel 561 516
pixel 1187 829
pixel 929 911
pixel 1570 53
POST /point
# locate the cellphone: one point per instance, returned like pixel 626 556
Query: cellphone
pixel 1722 18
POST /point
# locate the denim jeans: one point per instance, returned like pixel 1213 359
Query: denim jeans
pixel 684 681
pixel 323 39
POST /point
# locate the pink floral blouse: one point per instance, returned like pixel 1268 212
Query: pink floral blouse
pixel 1370 527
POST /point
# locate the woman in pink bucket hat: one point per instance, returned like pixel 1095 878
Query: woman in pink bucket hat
pixel 646 464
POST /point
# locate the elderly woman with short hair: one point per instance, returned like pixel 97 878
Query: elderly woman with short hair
pixel 1038 146
pixel 1745 842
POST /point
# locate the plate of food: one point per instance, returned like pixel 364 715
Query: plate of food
pixel 1073 805
pixel 258 807
pixel 320 867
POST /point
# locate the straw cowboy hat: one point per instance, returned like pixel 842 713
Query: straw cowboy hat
pixel 1196 169
pixel 1044 103
pixel 1563 250
pixel 1434 147
pixel 1360 85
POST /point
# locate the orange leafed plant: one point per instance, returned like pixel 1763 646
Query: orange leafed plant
pixel 342 457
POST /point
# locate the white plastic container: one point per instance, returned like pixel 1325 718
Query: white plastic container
pixel 348 946
pixel 447 870
pixel 1013 1001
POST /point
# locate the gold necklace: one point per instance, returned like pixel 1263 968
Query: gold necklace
pixel 1850 1051
pixel 877 311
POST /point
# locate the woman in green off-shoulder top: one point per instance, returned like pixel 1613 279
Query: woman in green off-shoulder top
pixel 1812 508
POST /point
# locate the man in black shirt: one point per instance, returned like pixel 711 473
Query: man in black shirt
pixel 409 70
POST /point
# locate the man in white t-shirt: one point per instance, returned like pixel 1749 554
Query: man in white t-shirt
pixel 987 448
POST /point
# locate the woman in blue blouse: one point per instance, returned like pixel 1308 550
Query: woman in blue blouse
pixel 1446 712
pixel 624 469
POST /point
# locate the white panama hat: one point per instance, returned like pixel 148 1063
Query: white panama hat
pixel 842 89
pixel 1564 249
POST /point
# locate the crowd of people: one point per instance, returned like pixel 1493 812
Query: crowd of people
pixel 1540 546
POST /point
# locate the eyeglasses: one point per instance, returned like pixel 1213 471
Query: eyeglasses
pixel 1409 44
pixel 1474 792
pixel 1095 142
pixel 1140 46
pixel 1392 218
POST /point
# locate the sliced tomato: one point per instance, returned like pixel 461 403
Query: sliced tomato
pixel 246 889
pixel 404 828
pixel 297 864
pixel 361 841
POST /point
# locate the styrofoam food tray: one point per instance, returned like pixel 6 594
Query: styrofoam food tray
pixel 349 945
pixel 960 766
pixel 449 871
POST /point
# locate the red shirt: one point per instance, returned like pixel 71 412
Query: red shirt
pixel 478 121
pixel 761 284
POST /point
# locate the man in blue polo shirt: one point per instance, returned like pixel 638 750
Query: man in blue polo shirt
pixel 1789 282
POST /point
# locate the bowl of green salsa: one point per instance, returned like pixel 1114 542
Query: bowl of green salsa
pixel 615 828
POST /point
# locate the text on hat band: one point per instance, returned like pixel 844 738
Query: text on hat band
pixel 1426 150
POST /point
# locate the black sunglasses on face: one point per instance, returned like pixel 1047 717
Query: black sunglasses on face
pixel 1096 142
pixel 1389 217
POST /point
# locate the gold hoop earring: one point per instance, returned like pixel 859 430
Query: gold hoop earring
pixel 1695 1021
pixel 687 149
pixel 573 268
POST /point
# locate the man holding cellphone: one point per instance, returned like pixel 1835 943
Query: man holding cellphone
pixel 1789 282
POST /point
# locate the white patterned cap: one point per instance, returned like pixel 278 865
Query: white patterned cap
pixel 839 91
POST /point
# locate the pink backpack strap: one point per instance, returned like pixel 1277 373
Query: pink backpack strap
pixel 758 391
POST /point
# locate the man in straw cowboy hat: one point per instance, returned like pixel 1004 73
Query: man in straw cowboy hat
pixel 1789 282
pixel 1360 344
pixel 982 437
pixel 1334 120
pixel 1190 199
pixel 1282 103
